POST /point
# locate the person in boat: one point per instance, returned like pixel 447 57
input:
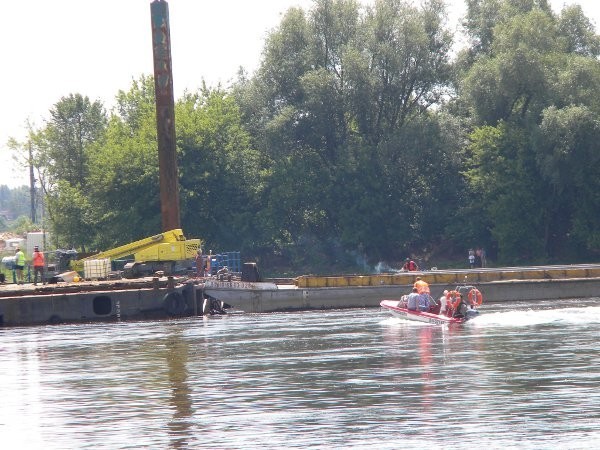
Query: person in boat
pixel 425 299
pixel 413 300
pixel 461 308
pixel 442 302
pixel 422 286
pixel 426 302
pixel 410 265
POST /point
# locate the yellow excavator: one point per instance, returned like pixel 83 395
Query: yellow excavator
pixel 168 252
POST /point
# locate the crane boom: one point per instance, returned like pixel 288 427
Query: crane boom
pixel 159 252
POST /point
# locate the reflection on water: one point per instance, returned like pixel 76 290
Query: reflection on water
pixel 181 400
pixel 521 376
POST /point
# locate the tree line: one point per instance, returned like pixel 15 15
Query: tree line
pixel 15 209
pixel 362 137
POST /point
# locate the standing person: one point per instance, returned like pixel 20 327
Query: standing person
pixel 471 258
pixel 208 264
pixel 204 264
pixel 199 263
pixel 19 264
pixel 483 260
pixel 38 265
pixel 478 257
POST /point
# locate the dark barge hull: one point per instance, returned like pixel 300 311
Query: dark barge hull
pixel 149 298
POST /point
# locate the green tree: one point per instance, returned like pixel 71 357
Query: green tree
pixel 124 192
pixel 75 123
pixel 221 175
pixel 406 56
pixel 339 86
pixel 569 160
pixel 532 95
pixel 62 157
pixel 22 225
pixel 514 81
pixel 71 224
pixel 15 201
pixel 577 32
pixel 500 177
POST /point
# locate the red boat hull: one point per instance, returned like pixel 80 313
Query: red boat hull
pixel 421 316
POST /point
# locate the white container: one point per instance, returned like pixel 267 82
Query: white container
pixel 96 269
pixel 69 277
pixel 36 238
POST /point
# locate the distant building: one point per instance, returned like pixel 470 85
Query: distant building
pixel 13 243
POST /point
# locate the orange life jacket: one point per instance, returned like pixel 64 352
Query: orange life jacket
pixel 38 259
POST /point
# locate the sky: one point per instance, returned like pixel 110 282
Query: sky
pixel 96 48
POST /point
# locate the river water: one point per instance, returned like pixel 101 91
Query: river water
pixel 524 375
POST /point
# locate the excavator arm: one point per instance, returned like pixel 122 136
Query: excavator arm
pixel 129 249
pixel 169 246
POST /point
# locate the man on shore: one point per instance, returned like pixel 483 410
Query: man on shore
pixel 199 263
pixel 410 266
pixel 19 264
pixel 38 265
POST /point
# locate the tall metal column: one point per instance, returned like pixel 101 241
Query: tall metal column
pixel 165 115
pixel 31 184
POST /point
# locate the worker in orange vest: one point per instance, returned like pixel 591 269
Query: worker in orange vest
pixel 38 265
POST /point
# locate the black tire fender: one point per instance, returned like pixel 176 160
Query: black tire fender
pixel 174 303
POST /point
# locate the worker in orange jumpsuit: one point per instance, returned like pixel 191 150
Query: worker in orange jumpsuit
pixel 38 265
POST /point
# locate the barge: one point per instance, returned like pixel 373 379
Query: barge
pixel 166 297
pixel 91 301
pixel 507 284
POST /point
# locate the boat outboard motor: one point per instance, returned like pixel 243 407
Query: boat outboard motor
pixel 464 290
pixel 462 310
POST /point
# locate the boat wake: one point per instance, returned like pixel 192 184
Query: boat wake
pixel 398 321
pixel 519 318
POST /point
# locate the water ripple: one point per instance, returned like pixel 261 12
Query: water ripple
pixel 519 376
